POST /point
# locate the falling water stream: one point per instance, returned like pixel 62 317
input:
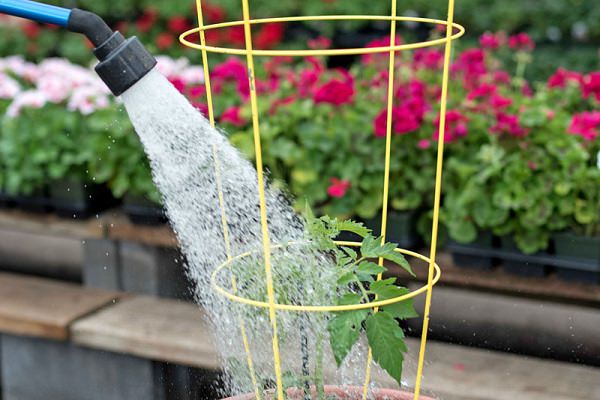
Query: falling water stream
pixel 190 161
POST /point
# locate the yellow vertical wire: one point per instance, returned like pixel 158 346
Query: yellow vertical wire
pixel 224 224
pixel 437 195
pixel 386 178
pixel 261 194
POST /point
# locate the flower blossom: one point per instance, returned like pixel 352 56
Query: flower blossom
pixel 508 123
pixel 585 125
pixel 87 99
pixel 429 59
pixel 384 55
pixel 455 127
pixel 30 98
pixel 336 92
pixel 521 41
pixel 490 41
pixel 338 187
pixel 9 88
pixel 233 116
pixel 591 85
pixel 562 77
pixel 232 70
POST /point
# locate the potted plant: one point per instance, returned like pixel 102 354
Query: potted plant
pixel 343 275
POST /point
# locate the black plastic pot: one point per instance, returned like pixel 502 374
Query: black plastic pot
pixel 581 255
pixel 6 200
pixel 475 255
pixel 143 211
pixel 37 202
pixel 519 263
pixel 78 199
pixel 401 228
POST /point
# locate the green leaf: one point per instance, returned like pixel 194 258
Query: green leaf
pixel 354 227
pixel 386 340
pixel 349 298
pixel 403 309
pixel 382 283
pixel 346 278
pixel 344 331
pixel 368 267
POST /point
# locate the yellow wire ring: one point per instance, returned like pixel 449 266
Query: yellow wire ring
pixel 460 30
pixel 351 307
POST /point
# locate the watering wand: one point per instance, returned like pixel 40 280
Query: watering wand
pixel 123 62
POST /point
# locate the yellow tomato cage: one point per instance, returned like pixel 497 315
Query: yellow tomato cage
pixel 453 31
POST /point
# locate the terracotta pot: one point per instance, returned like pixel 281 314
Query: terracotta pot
pixel 342 393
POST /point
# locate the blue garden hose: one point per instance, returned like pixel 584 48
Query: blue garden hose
pixel 36 11
pixel 123 62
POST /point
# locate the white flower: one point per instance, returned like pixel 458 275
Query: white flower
pixel 30 98
pixel 192 75
pixel 87 99
pixel 9 88
pixel 170 67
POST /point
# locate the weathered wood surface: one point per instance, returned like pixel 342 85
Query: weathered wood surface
pixel 45 308
pixel 49 224
pixel 159 329
pixel 119 227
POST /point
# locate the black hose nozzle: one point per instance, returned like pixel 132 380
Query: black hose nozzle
pixel 123 62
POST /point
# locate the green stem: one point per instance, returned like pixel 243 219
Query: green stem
pixel 362 289
pixel 319 385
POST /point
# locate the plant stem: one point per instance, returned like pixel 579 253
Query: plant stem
pixel 362 289
pixel 319 367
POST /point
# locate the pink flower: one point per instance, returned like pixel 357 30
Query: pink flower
pixel 319 43
pixel 484 91
pixel 338 187
pixel 521 41
pixel 501 77
pixel 233 70
pixel 585 125
pixel 270 35
pixel 380 123
pixel 472 65
pixel 404 120
pixel 591 85
pixel 499 102
pixel 87 99
pixel 202 107
pixel 384 55
pixel 456 126
pixel 508 123
pixel 424 144
pixel 178 84
pixel 308 77
pixel 9 88
pixel 233 116
pixel 562 77
pixel 280 103
pixel 30 98
pixel 429 58
pixel 490 41
pixel 336 92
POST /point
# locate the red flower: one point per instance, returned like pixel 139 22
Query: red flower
pixel 424 144
pixel 380 124
pixel 490 41
pixel 146 20
pixel 178 83
pixel 455 128
pixel 178 24
pixel 585 125
pixel 428 58
pixel 236 35
pixel 499 102
pixel 281 102
pixel 197 91
pixel 164 41
pixel 501 77
pixel 232 70
pixel 384 55
pixel 232 116
pixel 404 120
pixel 562 77
pixel 31 29
pixel 338 187
pixel 472 64
pixel 336 92
pixel 591 85
pixel 212 13
pixel 319 43
pixel 202 107
pixel 508 123
pixel 483 91
pixel 521 41
pixel 270 35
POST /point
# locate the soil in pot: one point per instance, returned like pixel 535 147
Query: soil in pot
pixel 570 246
pixel 77 199
pixel 519 263
pixel 474 255
pixel 341 393
pixel 143 211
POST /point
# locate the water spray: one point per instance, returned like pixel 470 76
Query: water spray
pixel 123 62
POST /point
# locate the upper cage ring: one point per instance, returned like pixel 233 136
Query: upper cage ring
pixel 460 30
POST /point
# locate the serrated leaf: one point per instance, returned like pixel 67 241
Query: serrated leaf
pixel 344 331
pixel 402 310
pixel 354 227
pixel 386 340
pixel 399 259
pixel 363 277
pixel 382 283
pixel 349 298
pixel 369 246
pixel 351 253
pixel 346 278
pixel 368 267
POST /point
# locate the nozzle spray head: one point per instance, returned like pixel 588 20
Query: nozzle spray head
pixel 123 62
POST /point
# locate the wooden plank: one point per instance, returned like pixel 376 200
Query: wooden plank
pixel 45 308
pixel 49 224
pixel 118 227
pixel 159 329
pixel 550 287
